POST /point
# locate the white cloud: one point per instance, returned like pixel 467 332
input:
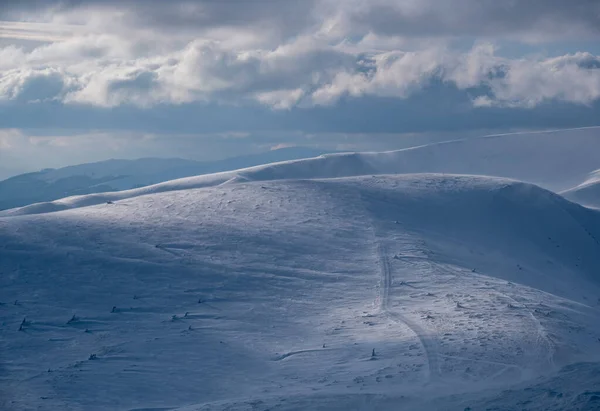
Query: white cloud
pixel 564 79
pixel 522 82
pixel 11 57
pixel 32 85
pixel 280 99
pixel 303 72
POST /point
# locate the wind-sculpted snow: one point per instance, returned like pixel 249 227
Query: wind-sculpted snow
pixel 587 193
pixel 370 292
pixel 556 161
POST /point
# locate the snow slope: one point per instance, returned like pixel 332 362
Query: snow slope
pixel 557 161
pixel 587 193
pixel 472 291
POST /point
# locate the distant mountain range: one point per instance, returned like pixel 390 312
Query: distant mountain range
pixel 116 175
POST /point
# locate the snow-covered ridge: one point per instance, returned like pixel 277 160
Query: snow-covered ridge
pixel 587 193
pixel 556 161
pixel 115 175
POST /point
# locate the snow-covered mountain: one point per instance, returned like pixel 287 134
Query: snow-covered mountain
pixel 342 282
pixel 115 175
pixel 274 290
pixel 558 161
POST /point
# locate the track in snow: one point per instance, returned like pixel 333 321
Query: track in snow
pixel 427 340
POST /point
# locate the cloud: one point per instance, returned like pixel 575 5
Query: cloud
pixel 32 85
pixel 105 72
pixel 131 78
pixel 570 78
pixel 286 55
pixel 177 20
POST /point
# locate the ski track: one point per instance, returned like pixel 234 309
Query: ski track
pixel 426 339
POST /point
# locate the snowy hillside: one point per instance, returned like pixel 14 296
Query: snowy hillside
pixel 115 175
pixel 558 161
pixel 111 175
pixel 587 193
pixel 392 292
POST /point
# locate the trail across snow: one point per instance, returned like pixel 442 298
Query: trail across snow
pixel 427 339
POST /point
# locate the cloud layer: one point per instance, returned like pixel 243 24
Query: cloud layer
pixel 100 71
pixel 284 54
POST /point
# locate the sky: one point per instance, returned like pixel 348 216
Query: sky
pixel 86 80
